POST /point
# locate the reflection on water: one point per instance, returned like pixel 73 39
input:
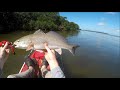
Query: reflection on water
pixel 97 56
pixel 69 33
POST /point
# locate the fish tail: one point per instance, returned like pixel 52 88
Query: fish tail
pixel 73 48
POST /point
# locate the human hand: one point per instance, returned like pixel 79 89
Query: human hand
pixel 50 54
pixel 4 53
pixel 50 57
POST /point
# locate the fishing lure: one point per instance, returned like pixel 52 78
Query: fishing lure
pixel 10 45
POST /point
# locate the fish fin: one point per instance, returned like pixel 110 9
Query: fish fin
pixel 39 31
pixel 73 48
pixel 59 51
pixel 30 46
pixel 56 35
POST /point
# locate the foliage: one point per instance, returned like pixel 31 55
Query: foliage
pixel 12 21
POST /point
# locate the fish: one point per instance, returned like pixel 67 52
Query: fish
pixel 53 39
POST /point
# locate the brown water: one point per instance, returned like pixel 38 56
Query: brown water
pixel 97 56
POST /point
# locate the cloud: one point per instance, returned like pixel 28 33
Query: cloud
pixel 101 24
pixel 111 13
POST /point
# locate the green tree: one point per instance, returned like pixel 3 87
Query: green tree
pixel 12 21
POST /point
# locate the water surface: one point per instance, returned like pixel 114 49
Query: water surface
pixel 98 55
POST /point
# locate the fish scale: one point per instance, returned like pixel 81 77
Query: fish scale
pixel 36 40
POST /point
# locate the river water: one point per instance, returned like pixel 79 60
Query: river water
pixel 97 57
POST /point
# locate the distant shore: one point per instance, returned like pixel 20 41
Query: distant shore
pixel 100 32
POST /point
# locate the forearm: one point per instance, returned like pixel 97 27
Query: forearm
pixel 53 64
pixel 57 72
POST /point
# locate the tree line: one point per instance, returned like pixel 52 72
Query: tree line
pixel 13 21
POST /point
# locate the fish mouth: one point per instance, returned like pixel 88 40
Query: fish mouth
pixel 14 45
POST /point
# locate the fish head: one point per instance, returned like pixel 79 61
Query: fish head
pixel 22 43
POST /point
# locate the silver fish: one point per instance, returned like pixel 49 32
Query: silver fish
pixel 35 41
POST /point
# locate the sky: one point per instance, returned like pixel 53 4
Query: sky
pixel 108 22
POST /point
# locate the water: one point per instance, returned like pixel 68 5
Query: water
pixel 98 55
